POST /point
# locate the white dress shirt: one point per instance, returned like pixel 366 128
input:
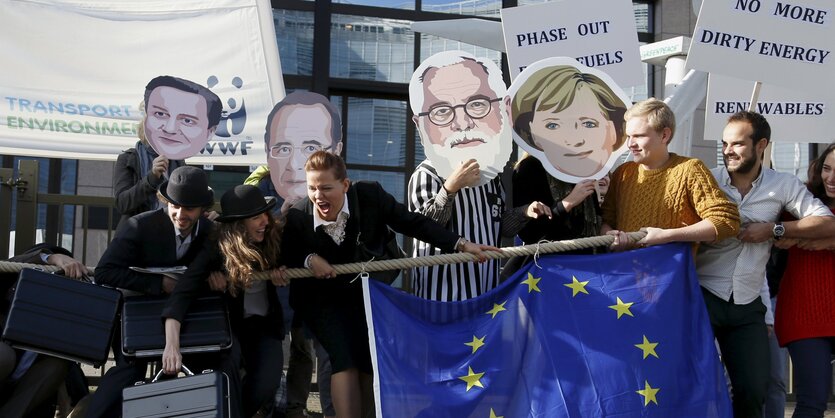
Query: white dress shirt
pixel 732 267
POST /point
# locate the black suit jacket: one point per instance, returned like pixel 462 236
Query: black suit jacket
pixel 377 210
pixel 146 240
pixel 194 283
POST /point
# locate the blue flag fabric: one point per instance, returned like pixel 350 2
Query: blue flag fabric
pixel 614 335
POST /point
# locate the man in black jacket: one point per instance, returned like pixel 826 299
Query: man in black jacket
pixel 29 381
pixel 166 237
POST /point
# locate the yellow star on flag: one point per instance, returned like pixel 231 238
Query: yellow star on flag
pixel 532 283
pixel 647 347
pixel 622 308
pixel 493 414
pixel 472 379
pixel 497 307
pixel 476 343
pixel 648 393
pixel 577 286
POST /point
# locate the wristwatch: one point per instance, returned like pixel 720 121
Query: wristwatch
pixel 778 230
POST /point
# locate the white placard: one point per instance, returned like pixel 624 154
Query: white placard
pixel 74 73
pixel 794 116
pixel 787 43
pixel 599 34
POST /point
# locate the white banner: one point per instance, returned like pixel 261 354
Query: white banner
pixel 599 34
pixel 784 43
pixel 794 116
pixel 74 72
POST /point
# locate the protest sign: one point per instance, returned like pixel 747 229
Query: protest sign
pixel 597 33
pixel 773 41
pixel 794 116
pixel 78 96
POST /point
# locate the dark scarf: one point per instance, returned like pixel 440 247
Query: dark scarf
pixel 591 221
pixel 146 156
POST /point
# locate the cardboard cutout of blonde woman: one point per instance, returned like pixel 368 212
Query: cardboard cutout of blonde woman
pixel 570 117
pixel 180 116
pixel 461 111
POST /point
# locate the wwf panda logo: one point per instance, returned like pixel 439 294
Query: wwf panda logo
pixel 233 118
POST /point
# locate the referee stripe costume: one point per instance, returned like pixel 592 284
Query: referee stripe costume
pixel 475 214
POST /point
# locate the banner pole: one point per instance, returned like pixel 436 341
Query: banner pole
pixel 755 97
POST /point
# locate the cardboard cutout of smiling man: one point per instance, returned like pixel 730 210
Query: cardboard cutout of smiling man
pixel 570 117
pixel 461 110
pixel 180 116
pixel 299 125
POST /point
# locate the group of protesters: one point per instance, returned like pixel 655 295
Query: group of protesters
pixel 733 215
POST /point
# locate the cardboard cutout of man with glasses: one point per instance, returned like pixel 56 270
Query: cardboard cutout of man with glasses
pixel 298 126
pixel 461 111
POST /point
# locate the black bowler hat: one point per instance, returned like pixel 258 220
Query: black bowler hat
pixel 188 187
pixel 243 201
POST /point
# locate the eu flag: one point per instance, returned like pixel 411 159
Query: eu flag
pixel 614 335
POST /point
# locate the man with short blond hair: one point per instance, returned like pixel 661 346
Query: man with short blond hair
pixel 673 198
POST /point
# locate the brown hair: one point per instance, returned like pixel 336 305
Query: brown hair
pixel 241 257
pixel 815 183
pixel 323 160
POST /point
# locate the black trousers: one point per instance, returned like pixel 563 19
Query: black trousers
pixel 263 361
pixel 743 343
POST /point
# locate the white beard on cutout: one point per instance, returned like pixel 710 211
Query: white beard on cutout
pixel 491 156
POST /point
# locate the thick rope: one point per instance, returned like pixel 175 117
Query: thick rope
pixel 545 247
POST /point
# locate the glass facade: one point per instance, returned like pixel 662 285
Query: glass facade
pixel 376 132
pixel 368 48
pixel 482 8
pixel 294 30
pixel 369 56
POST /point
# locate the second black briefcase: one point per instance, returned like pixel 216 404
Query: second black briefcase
pixel 205 327
pixel 66 318
pixel 203 395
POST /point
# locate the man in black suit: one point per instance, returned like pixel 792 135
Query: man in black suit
pixel 29 381
pixel 169 236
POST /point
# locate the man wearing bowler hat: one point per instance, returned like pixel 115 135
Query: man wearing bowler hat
pixel 166 237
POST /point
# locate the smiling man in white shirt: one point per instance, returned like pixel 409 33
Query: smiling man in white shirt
pixel 731 272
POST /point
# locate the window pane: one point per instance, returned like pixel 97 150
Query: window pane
pixel 485 8
pixel 392 182
pixel 431 44
pixel 368 48
pixel 642 17
pixel 294 33
pixel 376 132
pixel 391 4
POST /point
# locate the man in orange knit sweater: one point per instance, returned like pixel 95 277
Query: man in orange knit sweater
pixel 673 198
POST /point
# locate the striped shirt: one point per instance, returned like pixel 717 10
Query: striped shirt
pixel 473 213
pixel 732 267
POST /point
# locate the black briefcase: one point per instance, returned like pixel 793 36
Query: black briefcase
pixel 193 396
pixel 205 327
pixel 62 317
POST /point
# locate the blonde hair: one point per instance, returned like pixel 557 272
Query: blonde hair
pixel 658 114
pixel 243 258
pixel 556 88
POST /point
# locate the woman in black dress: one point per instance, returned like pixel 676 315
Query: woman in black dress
pixel 325 230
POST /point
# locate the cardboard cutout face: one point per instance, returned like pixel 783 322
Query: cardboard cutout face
pixel 298 126
pixel 570 117
pixel 461 109
pixel 181 116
